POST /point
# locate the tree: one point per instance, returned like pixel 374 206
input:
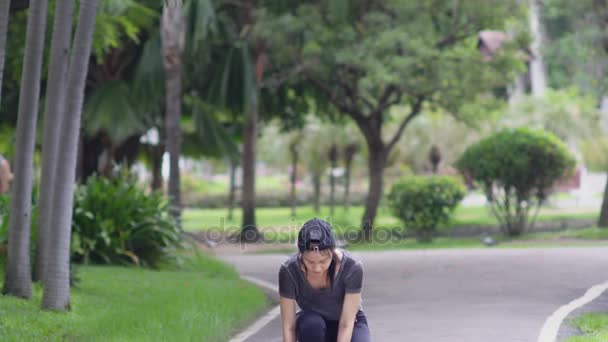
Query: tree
pixel 53 116
pixel 173 31
pixel 18 280
pixel 4 11
pixel 333 156
pixel 349 153
pixel 56 294
pixel 295 139
pixel 369 56
pixel 516 169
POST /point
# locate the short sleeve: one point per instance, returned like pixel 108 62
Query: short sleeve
pixel 354 280
pixel 286 285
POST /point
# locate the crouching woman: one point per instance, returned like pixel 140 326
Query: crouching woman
pixel 323 283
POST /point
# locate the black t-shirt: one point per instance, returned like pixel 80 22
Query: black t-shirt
pixel 328 301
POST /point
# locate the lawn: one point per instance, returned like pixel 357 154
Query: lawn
pixel 593 325
pixel 280 220
pixel 203 301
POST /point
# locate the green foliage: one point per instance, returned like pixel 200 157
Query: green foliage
pixel 118 22
pixel 425 202
pixel 567 113
pixel 577 55
pixel 116 222
pixel 393 52
pixel 516 168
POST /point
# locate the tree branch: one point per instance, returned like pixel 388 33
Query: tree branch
pixel 277 79
pixel 383 102
pixel 343 107
pixel 416 109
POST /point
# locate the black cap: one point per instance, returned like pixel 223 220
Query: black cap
pixel 316 233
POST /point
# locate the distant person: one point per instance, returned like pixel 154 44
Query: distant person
pixel 325 282
pixel 5 175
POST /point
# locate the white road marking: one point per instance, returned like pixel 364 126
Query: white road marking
pixel 264 320
pixel 552 324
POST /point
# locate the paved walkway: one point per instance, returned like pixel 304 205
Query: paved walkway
pixel 457 295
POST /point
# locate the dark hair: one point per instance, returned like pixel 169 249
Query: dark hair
pixel 318 235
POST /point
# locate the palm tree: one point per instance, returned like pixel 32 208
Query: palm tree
pixel 18 275
pixel 57 277
pixel 54 108
pixel 4 11
pixel 173 35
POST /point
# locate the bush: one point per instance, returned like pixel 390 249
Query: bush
pixel 116 222
pixel 516 169
pixel 425 202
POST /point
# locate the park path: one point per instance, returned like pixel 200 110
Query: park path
pixel 474 295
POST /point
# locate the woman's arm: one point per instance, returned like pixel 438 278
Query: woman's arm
pixel 288 317
pixel 347 319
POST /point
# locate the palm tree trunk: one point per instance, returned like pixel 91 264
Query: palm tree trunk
pixel 333 158
pixel 249 232
pixel 157 152
pixel 173 32
pixel 294 177
pixel 57 277
pixel 4 12
pixel 316 184
pixel 18 275
pixel 232 188
pixel 347 167
pixel 54 108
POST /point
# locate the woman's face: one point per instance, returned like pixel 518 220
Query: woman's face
pixel 317 262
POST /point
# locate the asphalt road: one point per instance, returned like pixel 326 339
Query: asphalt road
pixel 474 295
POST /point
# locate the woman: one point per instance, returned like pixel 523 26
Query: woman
pixel 325 282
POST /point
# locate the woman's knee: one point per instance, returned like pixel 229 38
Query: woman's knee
pixel 310 326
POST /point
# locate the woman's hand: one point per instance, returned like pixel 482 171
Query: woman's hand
pixel 288 317
pixel 347 319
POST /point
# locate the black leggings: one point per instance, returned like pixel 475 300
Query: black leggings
pixel 312 327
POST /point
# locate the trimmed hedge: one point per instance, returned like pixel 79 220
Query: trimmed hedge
pixel 516 169
pixel 425 202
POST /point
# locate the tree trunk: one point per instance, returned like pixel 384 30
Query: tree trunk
pixel 173 32
pixel 538 76
pixel 349 154
pixel 376 164
pixel 347 171
pixel 57 277
pixel 293 178
pixel 4 11
pixel 232 188
pixel 53 116
pixel 316 184
pixel 18 275
pixel 250 232
pixel 333 159
pixel 603 220
pixel 157 164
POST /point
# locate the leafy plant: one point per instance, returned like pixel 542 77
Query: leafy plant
pixel 117 222
pixel 425 202
pixel 516 168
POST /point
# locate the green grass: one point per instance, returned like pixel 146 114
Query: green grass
pixel 204 301
pixel 280 219
pixel 593 325
pixel 221 186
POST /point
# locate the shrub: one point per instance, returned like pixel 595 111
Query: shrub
pixel 516 169
pixel 116 222
pixel 425 202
